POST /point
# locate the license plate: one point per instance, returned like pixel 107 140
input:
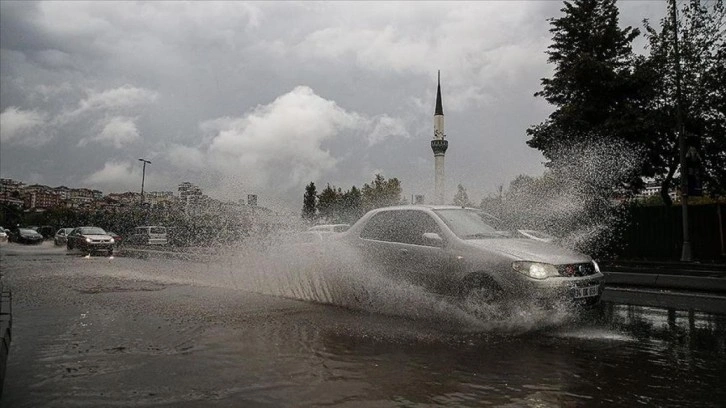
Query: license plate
pixel 587 291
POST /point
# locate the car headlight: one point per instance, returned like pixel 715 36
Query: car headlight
pixel 535 270
pixel 597 267
pixel 112 240
pixel 88 240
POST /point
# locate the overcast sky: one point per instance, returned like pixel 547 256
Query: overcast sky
pixel 263 98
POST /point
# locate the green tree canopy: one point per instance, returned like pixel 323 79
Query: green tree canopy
pixel 702 55
pixel 461 198
pixel 591 85
pixel 309 210
pixel 381 193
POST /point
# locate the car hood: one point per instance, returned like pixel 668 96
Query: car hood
pixel 531 250
pixel 97 236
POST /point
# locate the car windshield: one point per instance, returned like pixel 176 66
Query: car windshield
pixel 27 231
pixel 92 231
pixel 470 224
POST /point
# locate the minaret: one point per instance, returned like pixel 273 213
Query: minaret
pixel 439 146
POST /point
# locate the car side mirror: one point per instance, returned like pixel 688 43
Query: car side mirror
pixel 433 238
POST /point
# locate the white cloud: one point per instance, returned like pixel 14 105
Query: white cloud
pixel 385 127
pixel 280 145
pixel 116 174
pixel 23 126
pixel 186 157
pixel 117 131
pixel 124 98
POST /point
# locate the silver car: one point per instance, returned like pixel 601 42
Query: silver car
pixel 454 250
pixel 61 236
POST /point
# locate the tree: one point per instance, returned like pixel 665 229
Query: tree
pixel 593 88
pixel 330 203
pixel 461 199
pixel 351 205
pixel 702 55
pixel 381 193
pixel 309 209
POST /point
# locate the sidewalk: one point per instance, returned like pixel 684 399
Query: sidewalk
pixel 689 276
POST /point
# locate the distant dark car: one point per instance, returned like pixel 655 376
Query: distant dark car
pixel 46 231
pixel 90 239
pixel 61 236
pixel 25 236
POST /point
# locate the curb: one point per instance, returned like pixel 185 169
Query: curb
pixel 6 323
pixel 666 281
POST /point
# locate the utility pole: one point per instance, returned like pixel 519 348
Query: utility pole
pixel 143 176
pixel 686 250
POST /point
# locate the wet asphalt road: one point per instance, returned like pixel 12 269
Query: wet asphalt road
pixel 91 332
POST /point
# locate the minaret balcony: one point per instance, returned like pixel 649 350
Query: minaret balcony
pixel 439 146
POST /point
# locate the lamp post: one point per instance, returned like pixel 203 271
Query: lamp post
pixel 143 176
pixel 686 249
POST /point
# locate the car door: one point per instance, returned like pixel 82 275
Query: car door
pixel 422 261
pixel 394 243
pixel 377 243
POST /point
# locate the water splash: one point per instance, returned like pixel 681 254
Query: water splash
pixel 576 199
pixel 337 275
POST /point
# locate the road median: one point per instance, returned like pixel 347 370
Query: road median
pixel 688 276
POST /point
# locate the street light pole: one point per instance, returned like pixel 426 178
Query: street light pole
pixel 686 249
pixel 143 176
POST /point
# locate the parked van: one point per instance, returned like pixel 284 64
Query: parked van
pixel 149 235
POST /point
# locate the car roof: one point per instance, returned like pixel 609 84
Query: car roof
pixel 426 207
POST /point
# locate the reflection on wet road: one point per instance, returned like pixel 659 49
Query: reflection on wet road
pixel 129 332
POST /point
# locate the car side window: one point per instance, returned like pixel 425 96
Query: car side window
pixel 405 226
pixel 414 224
pixel 380 228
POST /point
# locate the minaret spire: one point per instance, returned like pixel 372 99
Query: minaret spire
pixel 439 105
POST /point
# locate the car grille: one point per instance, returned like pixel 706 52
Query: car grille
pixel 99 241
pixel 576 270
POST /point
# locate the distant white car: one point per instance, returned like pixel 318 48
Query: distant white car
pixel 330 228
pixel 149 235
pixel 3 235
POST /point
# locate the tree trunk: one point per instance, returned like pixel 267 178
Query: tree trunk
pixel 665 185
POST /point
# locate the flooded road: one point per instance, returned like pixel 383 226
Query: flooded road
pixel 128 332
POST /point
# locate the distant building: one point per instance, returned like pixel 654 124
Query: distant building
pixel 652 188
pixel 128 198
pixel 187 189
pixel 156 198
pixel 42 199
pixel 8 198
pixel 82 197
pixel 63 192
pixel 9 185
